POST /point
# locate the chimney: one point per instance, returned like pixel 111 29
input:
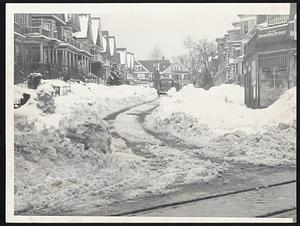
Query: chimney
pixel 163 58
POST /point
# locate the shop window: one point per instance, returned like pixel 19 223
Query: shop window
pixel 273 76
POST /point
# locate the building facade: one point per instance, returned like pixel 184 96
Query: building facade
pixel 270 61
pixel 181 75
pixel 57 46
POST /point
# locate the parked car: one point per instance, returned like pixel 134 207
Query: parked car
pixel 164 85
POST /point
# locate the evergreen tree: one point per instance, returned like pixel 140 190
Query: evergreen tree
pixel 205 80
pixel 114 79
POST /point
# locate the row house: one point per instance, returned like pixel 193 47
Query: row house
pixel 56 45
pixel 270 60
pixel 106 56
pixel 123 64
pixel 231 48
pixel 67 46
pixel 130 66
pixel 97 61
pixel 38 44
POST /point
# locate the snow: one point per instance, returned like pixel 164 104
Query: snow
pixel 83 21
pixel 55 82
pixel 66 158
pixel 111 41
pixel 203 117
pixel 171 91
pixel 94 97
pixel 222 108
pixel 104 44
pixel 95 28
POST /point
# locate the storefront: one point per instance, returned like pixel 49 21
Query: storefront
pixel 269 66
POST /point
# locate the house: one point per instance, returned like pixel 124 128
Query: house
pixel 44 43
pixel 106 56
pixel 86 45
pixel 155 65
pixel 123 63
pixel 97 48
pixel 181 75
pixel 141 73
pixel 270 60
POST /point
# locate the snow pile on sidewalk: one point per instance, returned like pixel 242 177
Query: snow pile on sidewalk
pixel 198 116
pixel 91 97
pixel 222 109
pixel 66 157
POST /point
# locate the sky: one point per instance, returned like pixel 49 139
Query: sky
pixel 140 26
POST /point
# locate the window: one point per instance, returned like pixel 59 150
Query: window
pixel 47 26
pixel 273 75
pixel 66 35
pixel 176 77
pixel 187 77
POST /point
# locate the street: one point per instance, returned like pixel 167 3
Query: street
pixel 129 125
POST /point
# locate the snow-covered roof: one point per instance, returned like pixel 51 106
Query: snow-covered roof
pixel 112 40
pixel 128 59
pixel 104 44
pixel 122 55
pixel 131 60
pixel 84 23
pixel 96 30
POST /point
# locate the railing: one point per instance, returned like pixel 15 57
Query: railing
pixel 277 19
pixel 42 31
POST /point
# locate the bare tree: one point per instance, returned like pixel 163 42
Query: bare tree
pixel 156 53
pixel 200 55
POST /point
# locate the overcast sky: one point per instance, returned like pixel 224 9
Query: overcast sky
pixel 138 27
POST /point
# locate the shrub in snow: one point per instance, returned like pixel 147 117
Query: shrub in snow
pixel 45 98
pixel 34 80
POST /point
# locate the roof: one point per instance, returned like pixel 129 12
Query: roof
pixel 84 24
pixel 122 52
pixel 112 44
pixel 144 68
pixel 170 67
pixel 105 36
pixel 149 64
pixel 96 30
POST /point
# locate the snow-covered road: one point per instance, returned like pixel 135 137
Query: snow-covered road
pixel 98 153
pixel 178 166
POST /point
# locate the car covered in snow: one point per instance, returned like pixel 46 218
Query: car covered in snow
pixel 164 85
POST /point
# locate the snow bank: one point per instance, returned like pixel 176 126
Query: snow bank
pixel 87 97
pixel 68 157
pixel 222 109
pixel 203 118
